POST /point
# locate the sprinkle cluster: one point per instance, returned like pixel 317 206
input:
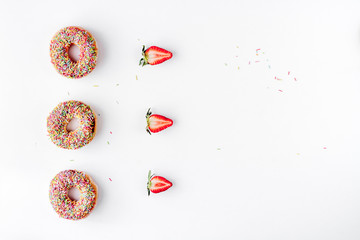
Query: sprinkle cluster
pixel 59 48
pixel 62 115
pixel 62 204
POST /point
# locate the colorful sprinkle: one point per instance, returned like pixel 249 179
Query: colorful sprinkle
pixel 60 200
pixel 96 86
pixel 59 52
pixel 136 77
pixel 110 179
pixel 60 117
pixel 280 90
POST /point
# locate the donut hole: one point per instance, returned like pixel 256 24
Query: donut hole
pixel 74 52
pixel 73 125
pixel 74 194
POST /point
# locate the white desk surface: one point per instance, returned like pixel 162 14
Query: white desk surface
pixel 263 147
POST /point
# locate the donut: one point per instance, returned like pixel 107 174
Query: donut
pixel 59 52
pixel 60 117
pixel 63 204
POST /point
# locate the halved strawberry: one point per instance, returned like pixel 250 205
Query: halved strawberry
pixel 154 55
pixel 157 184
pixel 156 123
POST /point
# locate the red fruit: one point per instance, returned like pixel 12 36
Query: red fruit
pixel 154 55
pixel 157 184
pixel 156 123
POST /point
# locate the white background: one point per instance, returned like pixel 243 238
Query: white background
pixel 247 161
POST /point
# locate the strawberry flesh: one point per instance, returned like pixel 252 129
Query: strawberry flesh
pixel 158 123
pixel 159 184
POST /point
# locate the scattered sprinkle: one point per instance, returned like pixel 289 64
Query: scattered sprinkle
pixel 289 73
pixel 218 149
pixel 108 142
pixel 96 86
pixel 298 154
pixel 295 79
pixel 237 46
pixel 324 147
pixel 110 179
pixel 280 90
pixel 257 61
pixel 238 67
pixel 110 132
pixel 249 62
pixel 71 160
pixel 136 77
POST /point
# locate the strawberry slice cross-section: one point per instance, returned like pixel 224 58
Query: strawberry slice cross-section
pixel 156 123
pixel 154 55
pixel 157 184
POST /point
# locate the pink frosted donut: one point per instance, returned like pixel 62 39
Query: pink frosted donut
pixel 59 52
pixel 60 200
pixel 59 118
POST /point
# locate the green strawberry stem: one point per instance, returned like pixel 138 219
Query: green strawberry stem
pixel 148 114
pixel 149 182
pixel 143 60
